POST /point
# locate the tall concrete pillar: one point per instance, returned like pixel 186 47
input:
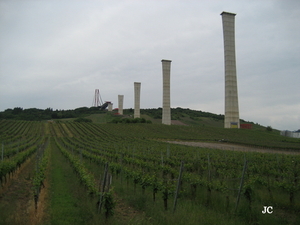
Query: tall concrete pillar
pixel 166 111
pixel 120 101
pixel 232 119
pixel 137 95
pixel 110 106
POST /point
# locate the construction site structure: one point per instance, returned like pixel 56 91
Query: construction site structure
pixel 97 101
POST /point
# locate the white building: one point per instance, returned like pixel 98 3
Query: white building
pixel 293 134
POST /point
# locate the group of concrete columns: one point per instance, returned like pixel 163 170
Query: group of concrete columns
pixel 231 95
pixel 137 96
pixel 166 114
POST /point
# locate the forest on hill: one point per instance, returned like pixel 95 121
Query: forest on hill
pixel 35 114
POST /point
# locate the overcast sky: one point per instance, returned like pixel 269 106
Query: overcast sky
pixel 56 53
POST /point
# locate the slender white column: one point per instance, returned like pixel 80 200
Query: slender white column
pixel 166 111
pixel 137 95
pixel 110 106
pixel 120 101
pixel 232 119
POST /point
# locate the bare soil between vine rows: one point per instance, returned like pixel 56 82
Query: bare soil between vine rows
pixel 233 147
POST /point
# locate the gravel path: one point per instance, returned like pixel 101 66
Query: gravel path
pixel 234 147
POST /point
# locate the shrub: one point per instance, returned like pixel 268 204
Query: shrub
pixel 269 128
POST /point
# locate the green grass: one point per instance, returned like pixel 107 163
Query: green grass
pixel 101 118
pixel 69 201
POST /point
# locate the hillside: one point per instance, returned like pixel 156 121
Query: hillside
pixel 194 126
pixel 179 116
pixel 187 116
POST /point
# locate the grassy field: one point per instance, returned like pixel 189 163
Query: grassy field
pixel 143 165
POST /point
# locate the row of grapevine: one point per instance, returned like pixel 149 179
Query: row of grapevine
pixel 42 159
pixel 160 178
pixel 20 139
pixel 10 165
pixel 10 150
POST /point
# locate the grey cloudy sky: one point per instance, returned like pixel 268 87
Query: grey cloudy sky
pixel 56 53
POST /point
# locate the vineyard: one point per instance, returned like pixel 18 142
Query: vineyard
pixel 87 173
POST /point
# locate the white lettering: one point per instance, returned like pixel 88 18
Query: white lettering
pixel 267 209
pixel 270 207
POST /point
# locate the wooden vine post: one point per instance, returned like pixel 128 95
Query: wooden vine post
pixel 103 188
pixel 241 185
pixel 2 151
pixel 178 186
pixel 209 181
pixel 36 194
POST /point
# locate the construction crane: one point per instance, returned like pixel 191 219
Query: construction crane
pixel 97 101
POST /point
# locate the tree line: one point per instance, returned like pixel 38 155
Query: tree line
pixel 34 114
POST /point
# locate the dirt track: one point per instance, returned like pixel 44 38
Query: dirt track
pixel 233 147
